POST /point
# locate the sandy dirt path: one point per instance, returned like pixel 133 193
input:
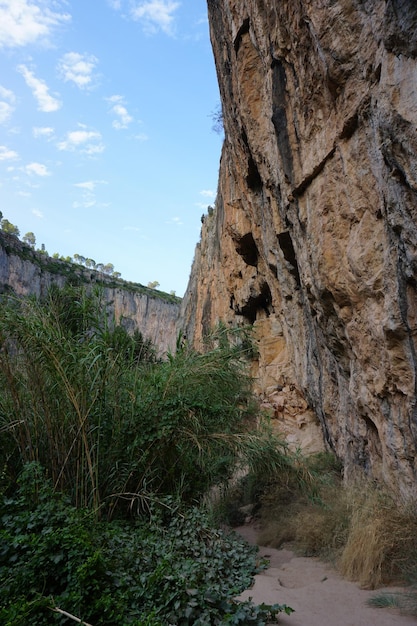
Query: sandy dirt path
pixel 317 593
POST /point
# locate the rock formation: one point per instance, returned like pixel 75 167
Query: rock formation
pixel 314 236
pixel 27 272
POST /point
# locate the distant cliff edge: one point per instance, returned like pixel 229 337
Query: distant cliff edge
pixel 28 272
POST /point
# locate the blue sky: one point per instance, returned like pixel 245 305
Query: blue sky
pixel 106 141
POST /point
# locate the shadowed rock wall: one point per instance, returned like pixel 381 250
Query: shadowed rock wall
pixel 314 236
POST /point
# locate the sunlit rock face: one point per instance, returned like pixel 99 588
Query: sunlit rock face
pixel 26 272
pixel 314 236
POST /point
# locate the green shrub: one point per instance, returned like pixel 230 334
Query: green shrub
pixel 107 421
pixel 173 568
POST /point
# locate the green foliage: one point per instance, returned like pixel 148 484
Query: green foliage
pixel 109 423
pixel 30 239
pixel 9 228
pixel 173 569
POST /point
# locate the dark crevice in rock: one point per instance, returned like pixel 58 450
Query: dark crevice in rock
pixel 206 317
pixel 306 182
pixel 400 27
pixel 247 249
pixel 350 125
pixel 371 448
pixel 253 178
pixel 255 303
pixel 242 31
pixel 287 247
pixel 279 117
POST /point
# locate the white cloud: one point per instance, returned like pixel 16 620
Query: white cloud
pixel 40 90
pixel 208 193
pixel 90 185
pixel 24 194
pixel 87 141
pixel 37 213
pixel 7 155
pixel 123 118
pixel 7 94
pixel 114 4
pixel 77 68
pixel 7 99
pixel 85 204
pixel 23 22
pixel 88 198
pixel 42 131
pixel 156 15
pixel 142 137
pixel 6 111
pixel 38 169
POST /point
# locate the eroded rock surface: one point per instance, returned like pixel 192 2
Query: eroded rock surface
pixel 314 237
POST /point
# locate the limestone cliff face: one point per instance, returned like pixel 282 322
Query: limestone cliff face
pixel 27 272
pixel 314 237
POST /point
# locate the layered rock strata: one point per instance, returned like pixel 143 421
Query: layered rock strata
pixel 314 236
pixel 27 272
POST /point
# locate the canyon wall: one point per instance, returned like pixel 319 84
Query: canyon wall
pixel 314 235
pixel 27 272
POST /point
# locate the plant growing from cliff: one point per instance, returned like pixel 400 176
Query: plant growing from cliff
pixel 30 239
pixel 9 228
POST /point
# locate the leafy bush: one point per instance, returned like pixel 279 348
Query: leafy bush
pixel 108 422
pixel 174 568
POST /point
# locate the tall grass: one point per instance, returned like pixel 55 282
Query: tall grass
pixel 109 423
pixel 361 527
pixel 381 546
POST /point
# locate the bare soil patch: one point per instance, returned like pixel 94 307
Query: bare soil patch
pixel 315 590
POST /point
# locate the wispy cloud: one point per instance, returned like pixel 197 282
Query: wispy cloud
pixel 77 68
pixel 156 15
pixel 40 91
pixel 208 193
pixel 43 131
pixel 7 100
pixel 37 169
pixel 90 185
pixel 37 213
pixel 7 155
pixel 86 141
pixel 23 22
pixel 123 117
pixel 88 197
pixel 85 203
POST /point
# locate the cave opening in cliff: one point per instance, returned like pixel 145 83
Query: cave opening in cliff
pixel 287 247
pixel 242 31
pixel 261 302
pixel 247 249
pixel 253 178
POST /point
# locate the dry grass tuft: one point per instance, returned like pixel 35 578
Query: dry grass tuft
pixel 360 528
pixel 382 538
